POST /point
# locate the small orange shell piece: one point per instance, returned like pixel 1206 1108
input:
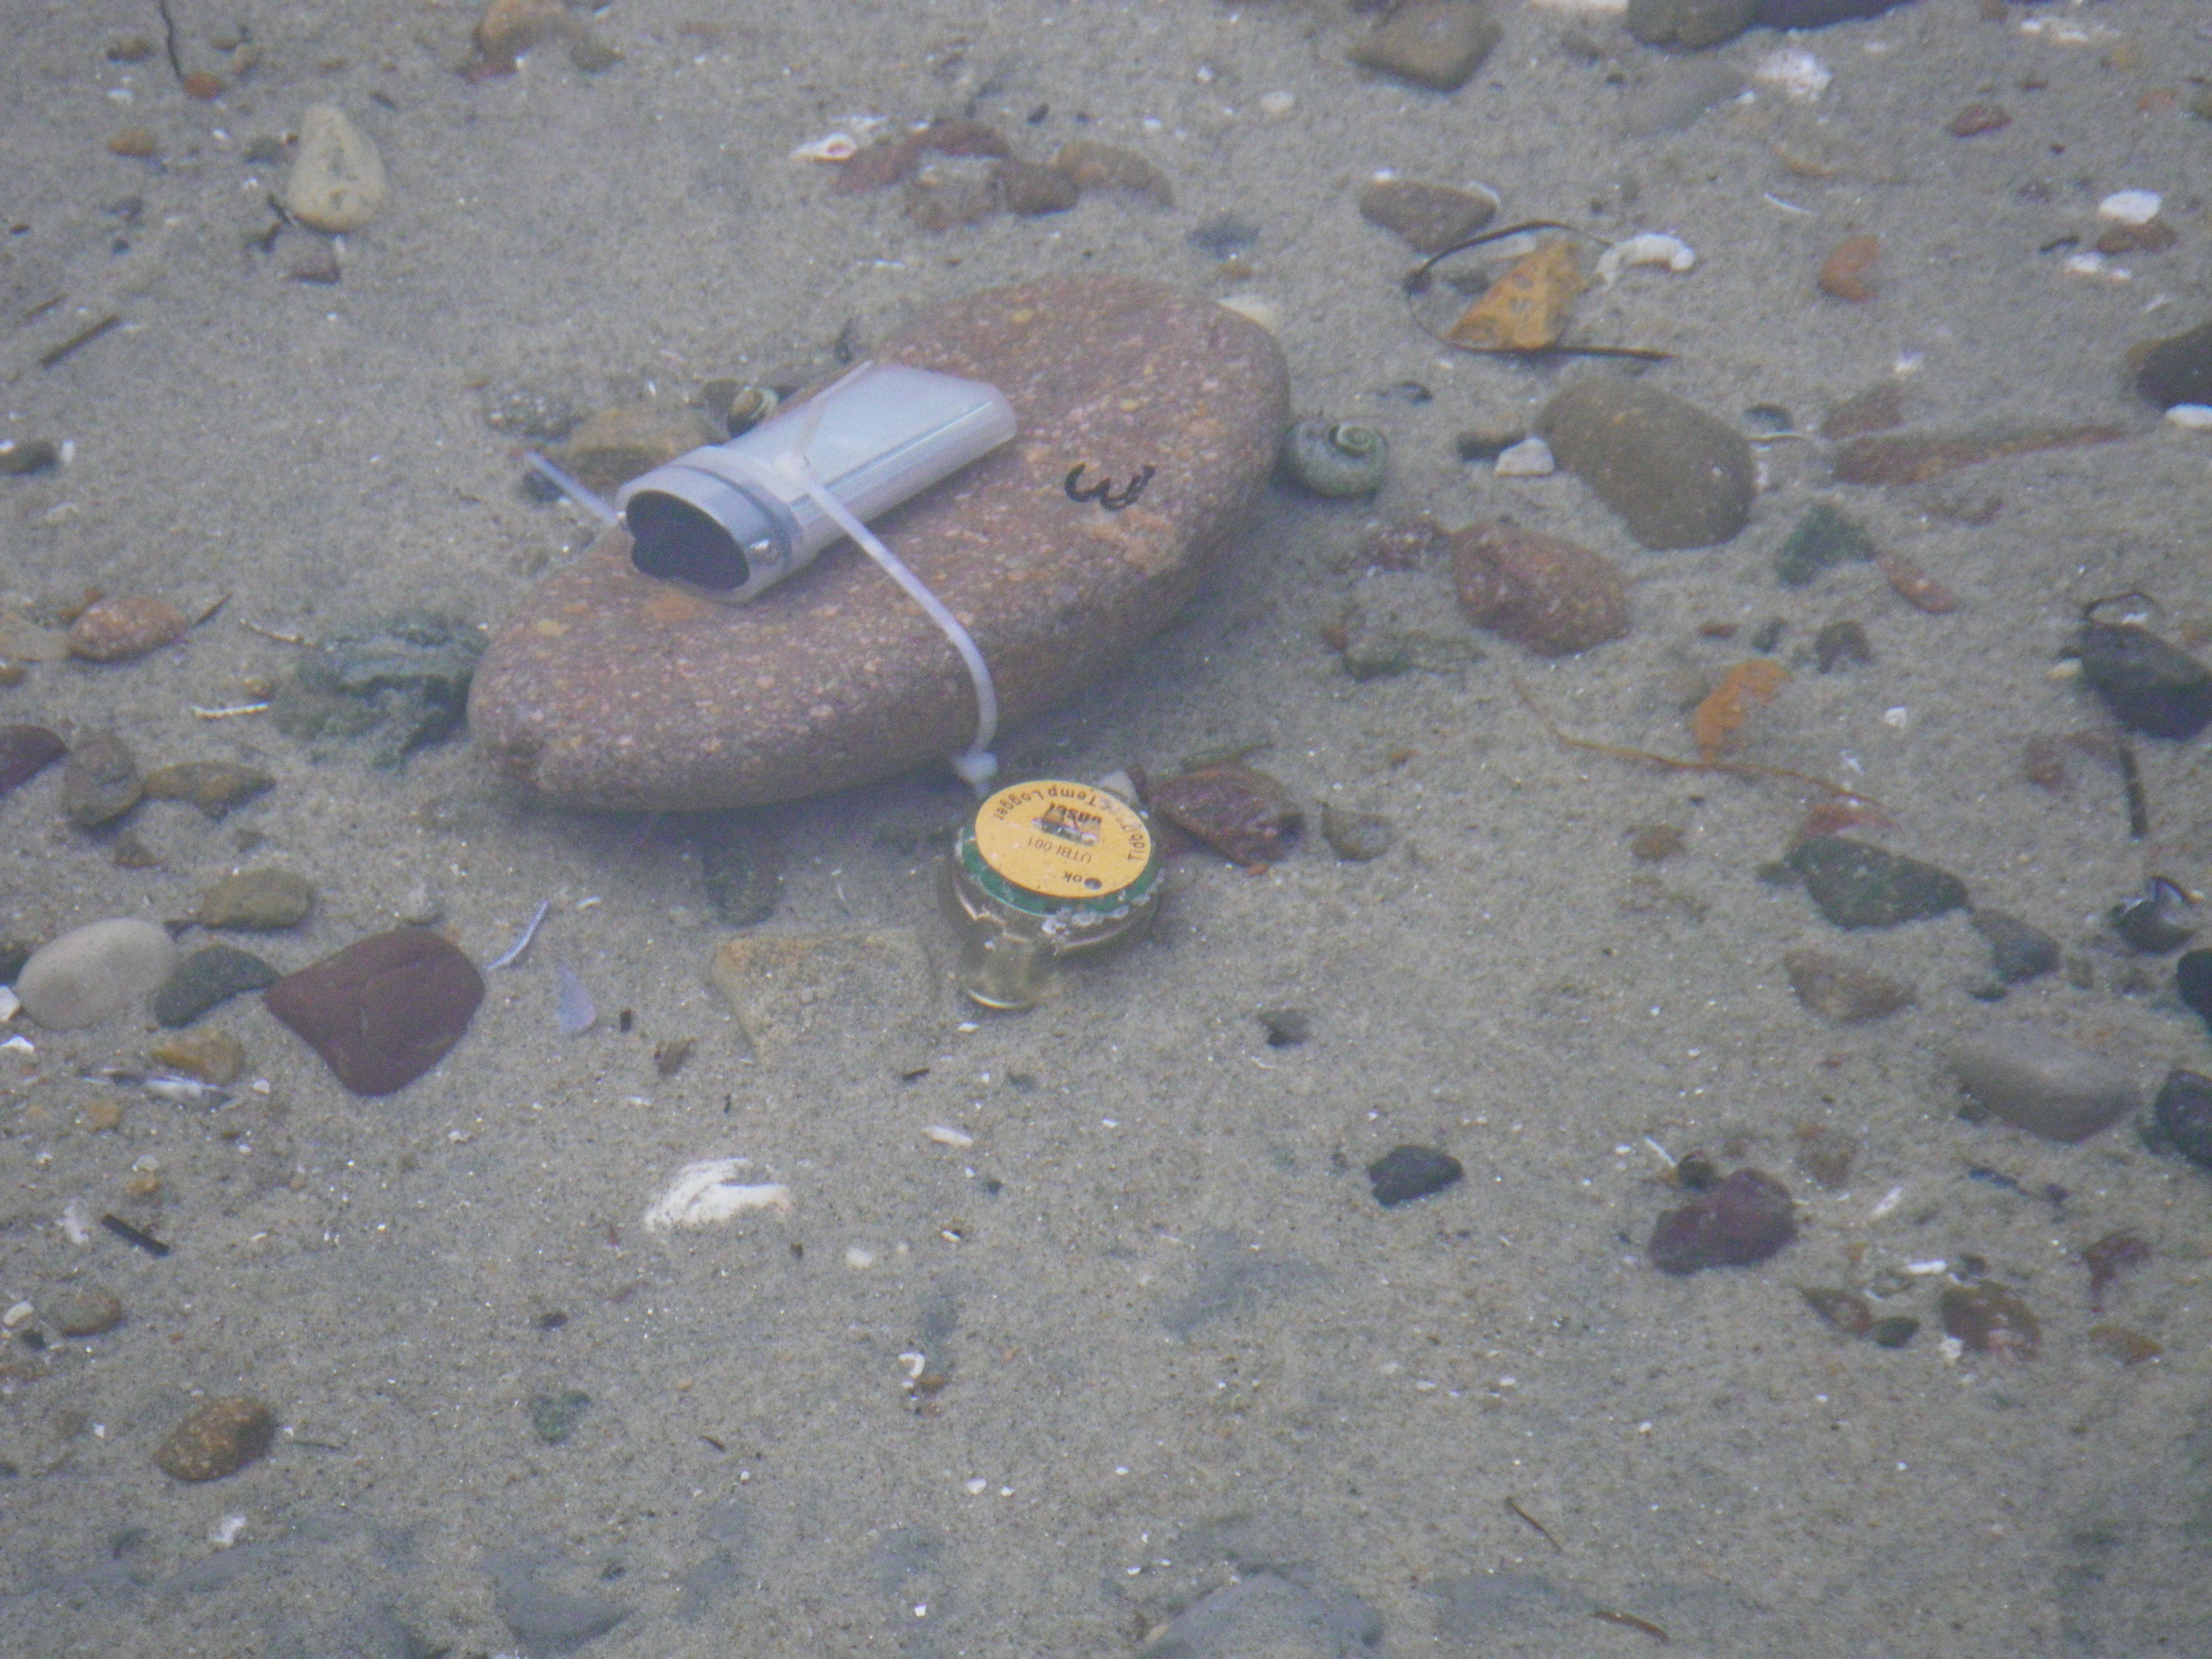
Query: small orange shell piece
pixel 1525 309
pixel 1915 586
pixel 1720 717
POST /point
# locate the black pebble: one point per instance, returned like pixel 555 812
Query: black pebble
pixel 2192 978
pixel 2183 1112
pixel 2157 919
pixel 2018 950
pixel 1839 645
pixel 1406 1173
pixel 2150 686
pixel 1286 1028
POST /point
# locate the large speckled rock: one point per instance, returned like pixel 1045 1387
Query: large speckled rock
pixel 610 689
pixel 1678 476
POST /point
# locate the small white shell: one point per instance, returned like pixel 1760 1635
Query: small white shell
pixel 830 147
pixel 1795 73
pixel 2194 417
pixel 1651 248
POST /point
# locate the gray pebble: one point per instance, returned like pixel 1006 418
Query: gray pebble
pixel 2040 1083
pixel 1677 476
pixel 91 972
pixel 208 978
pixel 2018 950
pixel 1356 837
pixel 100 782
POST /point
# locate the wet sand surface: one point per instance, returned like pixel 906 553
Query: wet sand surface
pixel 1150 1335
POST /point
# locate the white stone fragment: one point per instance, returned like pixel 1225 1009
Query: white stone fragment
pixel 1529 458
pixel 10 1003
pixel 1651 248
pixel 2194 417
pixel 1795 73
pixel 709 1192
pixel 945 1135
pixel 73 1223
pixel 2092 263
pixel 830 147
pixel 859 1258
pixel 16 1314
pixel 224 1533
pixel 1278 103
pixel 1262 310
pixel 2130 207
pixel 337 181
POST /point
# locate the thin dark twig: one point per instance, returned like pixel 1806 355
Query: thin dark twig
pixel 1542 1531
pixel 169 40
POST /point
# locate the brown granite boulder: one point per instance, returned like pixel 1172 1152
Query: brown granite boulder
pixel 609 689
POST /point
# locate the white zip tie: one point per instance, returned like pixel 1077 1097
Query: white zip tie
pixel 573 488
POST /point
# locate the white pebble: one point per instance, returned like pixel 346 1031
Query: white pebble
pixel 1795 74
pixel 977 1487
pixel 707 1192
pixel 2130 207
pixel 1278 103
pixel 2194 417
pixel 1651 248
pixel 16 1314
pixel 945 1135
pixel 858 1259
pixel 91 972
pixel 1529 458
pixel 831 147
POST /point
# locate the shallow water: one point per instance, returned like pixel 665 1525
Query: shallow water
pixel 1171 1343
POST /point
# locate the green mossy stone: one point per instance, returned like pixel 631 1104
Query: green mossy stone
pixel 1825 536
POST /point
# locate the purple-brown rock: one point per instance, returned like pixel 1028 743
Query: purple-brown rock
pixel 1738 1223
pixel 384 1011
pixel 1548 594
pixel 610 689
pixel 1242 813
pixel 26 751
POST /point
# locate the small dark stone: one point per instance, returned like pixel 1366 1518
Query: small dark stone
pixel 740 866
pixel 100 783
pixel 1224 236
pixel 2192 980
pixel 1677 475
pixel 1826 1154
pixel 207 978
pixel 382 1012
pixel 1738 1223
pixel 20 456
pixel 2018 950
pixel 1242 813
pixel 2183 1114
pixel 217 1438
pixel 1697 1173
pixel 2177 369
pixel 553 1417
pixel 1848 992
pixel 1819 13
pixel 1839 645
pixel 1406 1173
pixel 2160 918
pixel 1430 218
pixel 1825 536
pixel 1859 885
pixel 264 900
pixel 1437 44
pixel 1286 1028
pixel 1689 23
pixel 26 751
pixel 2150 686
pixel 1895 1331
pixel 1991 1320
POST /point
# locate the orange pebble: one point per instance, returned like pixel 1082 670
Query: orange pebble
pixel 1721 716
pixel 1848 271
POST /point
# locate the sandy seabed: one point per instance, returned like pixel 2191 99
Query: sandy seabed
pixel 1178 1341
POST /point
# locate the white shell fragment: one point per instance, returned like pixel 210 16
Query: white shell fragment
pixel 709 1192
pixel 830 147
pixel 2130 207
pixel 1253 307
pixel 1529 458
pixel 2192 417
pixel 1795 73
pixel 1651 248
pixel 945 1135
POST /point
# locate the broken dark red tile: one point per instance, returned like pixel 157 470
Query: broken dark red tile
pixel 382 1012
pixel 1242 813
pixel 1738 1223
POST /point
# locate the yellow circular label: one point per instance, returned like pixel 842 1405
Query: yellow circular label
pixel 1062 840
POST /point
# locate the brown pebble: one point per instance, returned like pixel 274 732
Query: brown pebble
pixel 1848 271
pixel 507 28
pixel 2151 236
pixel 1738 1223
pixel 1909 457
pixel 1915 586
pixel 212 1056
pixel 1880 407
pixel 1110 167
pixel 82 1310
pixel 1843 991
pixel 102 1116
pixel 137 143
pixel 1979 117
pixel 1653 844
pixel 204 87
pixel 384 1011
pixel 1437 44
pixel 1029 190
pixel 127 626
pixel 1242 813
pixel 217 1438
pixel 1428 218
pixel 214 787
pixel 2107 1258
pixel 100 782
pixel 955 191
pixel 1988 1319
pixel 2124 1343
pixel 1399 544
pixel 889 159
pixel 130 49
pixel 130 852
pixel 1542 592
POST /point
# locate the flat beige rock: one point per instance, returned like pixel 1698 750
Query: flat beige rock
pixel 337 182
pixel 608 690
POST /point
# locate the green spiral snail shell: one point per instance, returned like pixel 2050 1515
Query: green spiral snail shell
pixel 1332 457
